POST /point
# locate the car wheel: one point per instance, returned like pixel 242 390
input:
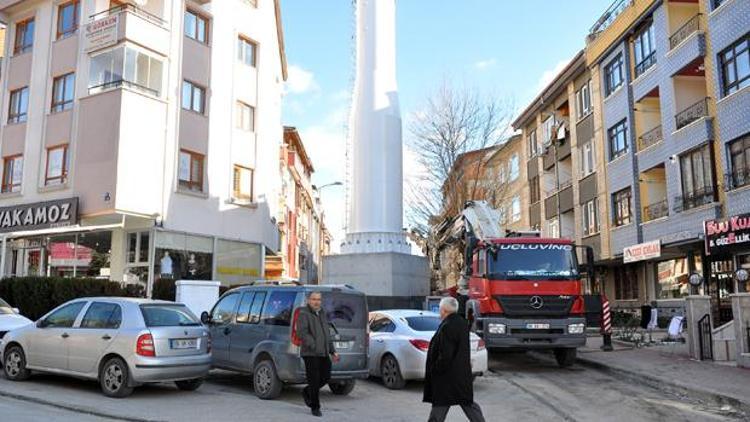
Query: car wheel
pixel 15 364
pixel 565 357
pixel 189 385
pixel 342 388
pixel 266 383
pixel 391 373
pixel 114 378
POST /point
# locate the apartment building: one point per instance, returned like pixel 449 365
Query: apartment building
pixel 140 139
pixel 666 69
pixel 505 179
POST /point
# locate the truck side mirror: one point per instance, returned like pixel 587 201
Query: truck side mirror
pixel 471 244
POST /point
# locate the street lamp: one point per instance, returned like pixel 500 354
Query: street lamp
pixel 337 183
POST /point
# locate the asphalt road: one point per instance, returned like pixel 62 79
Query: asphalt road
pixel 519 387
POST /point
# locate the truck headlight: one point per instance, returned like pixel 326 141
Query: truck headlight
pixel 494 328
pixel 576 328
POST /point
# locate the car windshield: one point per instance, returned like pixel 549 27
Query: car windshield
pixel 423 323
pixel 532 261
pixel 5 308
pixel 345 310
pixel 168 316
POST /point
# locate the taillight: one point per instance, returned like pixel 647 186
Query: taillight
pixel 144 346
pixel 295 338
pixel 480 345
pixel 422 345
pixel 208 344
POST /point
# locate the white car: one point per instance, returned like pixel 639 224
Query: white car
pixel 399 340
pixel 10 319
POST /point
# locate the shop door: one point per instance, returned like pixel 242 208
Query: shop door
pixel 720 286
pixel 32 262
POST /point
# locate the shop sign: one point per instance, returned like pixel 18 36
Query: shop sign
pixel 642 251
pixel 724 234
pixel 101 33
pixel 40 215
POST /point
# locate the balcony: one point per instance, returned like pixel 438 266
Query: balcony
pixel 694 199
pixel 656 210
pixel 650 138
pixel 692 113
pixel 133 24
pixel 683 32
pixel 609 16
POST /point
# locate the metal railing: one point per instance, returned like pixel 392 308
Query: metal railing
pixel 696 198
pixel 681 34
pixel 645 64
pixel 609 16
pixel 656 210
pixel 122 83
pixel 692 113
pixel 130 8
pixel 652 137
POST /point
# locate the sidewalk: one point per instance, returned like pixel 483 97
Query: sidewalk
pixel 669 368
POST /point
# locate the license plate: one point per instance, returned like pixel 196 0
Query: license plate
pixel 341 344
pixel 537 326
pixel 186 343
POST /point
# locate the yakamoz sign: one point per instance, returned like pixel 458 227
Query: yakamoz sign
pixel 721 235
pixel 41 215
pixel 642 251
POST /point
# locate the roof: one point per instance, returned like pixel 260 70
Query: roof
pixel 576 66
pixel 280 35
pixel 136 300
pixel 510 141
pixel 292 136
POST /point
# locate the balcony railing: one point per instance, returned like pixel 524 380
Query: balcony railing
pixel 696 198
pixel 738 178
pixel 609 16
pixel 656 210
pixel 122 83
pixel 685 31
pixel 644 64
pixel 652 137
pixel 692 113
pixel 130 8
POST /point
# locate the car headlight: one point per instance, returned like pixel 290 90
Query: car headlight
pixel 494 328
pixel 576 328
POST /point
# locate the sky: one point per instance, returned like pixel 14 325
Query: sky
pixel 507 48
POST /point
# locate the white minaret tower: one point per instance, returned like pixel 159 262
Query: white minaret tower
pixel 375 213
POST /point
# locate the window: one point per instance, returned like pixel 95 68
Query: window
pixel 57 165
pixel 242 186
pixel 735 65
pixel 515 209
pixel 382 325
pixel 246 51
pixel 717 3
pixel 125 66
pixel 102 316
pixel 613 77
pixel 168 316
pixel 548 130
pixel 618 140
pixel 644 50
pixel 345 310
pixel 24 36
pixel 191 171
pixel 588 158
pixel 513 167
pixel 697 178
pixel 196 27
pixel 621 203
pixel 423 323
pixel 739 157
pixel 278 309
pixel 67 18
pixel 138 245
pixel 502 175
pixel 243 311
pixel 245 118
pixel 533 144
pixel 591 217
pixel 193 97
pixel 626 283
pixel 65 316
pixel 224 310
pixel 583 100
pixel 553 228
pixel 534 190
pixel 12 174
pixel 63 88
pixel 503 214
pixel 19 105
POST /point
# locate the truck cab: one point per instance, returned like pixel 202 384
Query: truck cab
pixel 525 293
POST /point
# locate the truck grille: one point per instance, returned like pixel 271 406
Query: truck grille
pixel 521 306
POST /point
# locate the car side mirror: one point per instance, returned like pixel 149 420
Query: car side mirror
pixel 205 317
pixel 16 311
pixel 42 323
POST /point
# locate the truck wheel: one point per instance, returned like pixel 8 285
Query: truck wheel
pixel 266 383
pixel 341 388
pixel 565 357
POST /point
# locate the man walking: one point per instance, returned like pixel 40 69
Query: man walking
pixel 448 381
pixel 316 350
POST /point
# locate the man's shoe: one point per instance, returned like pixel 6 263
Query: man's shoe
pixel 316 412
pixel 306 397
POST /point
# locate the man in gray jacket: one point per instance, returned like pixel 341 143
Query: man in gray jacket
pixel 317 349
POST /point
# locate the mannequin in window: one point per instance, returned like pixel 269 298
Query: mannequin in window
pixel 166 266
pixel 192 266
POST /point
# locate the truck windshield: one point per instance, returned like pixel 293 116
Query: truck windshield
pixel 532 261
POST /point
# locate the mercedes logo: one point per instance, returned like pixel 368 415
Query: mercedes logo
pixel 536 302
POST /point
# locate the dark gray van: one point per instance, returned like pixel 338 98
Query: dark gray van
pixel 251 329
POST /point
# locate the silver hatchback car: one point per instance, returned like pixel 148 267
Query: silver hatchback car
pixel 121 342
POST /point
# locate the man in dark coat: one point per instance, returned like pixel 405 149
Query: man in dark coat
pixel 317 349
pixel 448 381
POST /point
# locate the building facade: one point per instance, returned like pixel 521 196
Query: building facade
pixel 507 190
pixel 140 139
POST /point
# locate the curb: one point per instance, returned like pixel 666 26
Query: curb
pixel 741 407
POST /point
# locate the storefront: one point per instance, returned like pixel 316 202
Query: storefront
pixel 727 245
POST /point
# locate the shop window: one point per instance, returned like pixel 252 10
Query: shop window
pixel 621 202
pixel 19 105
pixel 125 67
pixel 191 171
pixel 56 172
pixel 63 88
pixel 193 97
pixel 68 18
pixel 278 309
pixel 242 186
pixel 12 174
pixel 743 261
pixel 138 247
pixel 626 283
pixel 79 255
pixel 24 40
pixel 672 277
pixel 246 51
pixel 196 27
pixel 245 117
pixel 183 257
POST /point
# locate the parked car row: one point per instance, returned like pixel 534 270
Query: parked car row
pixel 123 342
